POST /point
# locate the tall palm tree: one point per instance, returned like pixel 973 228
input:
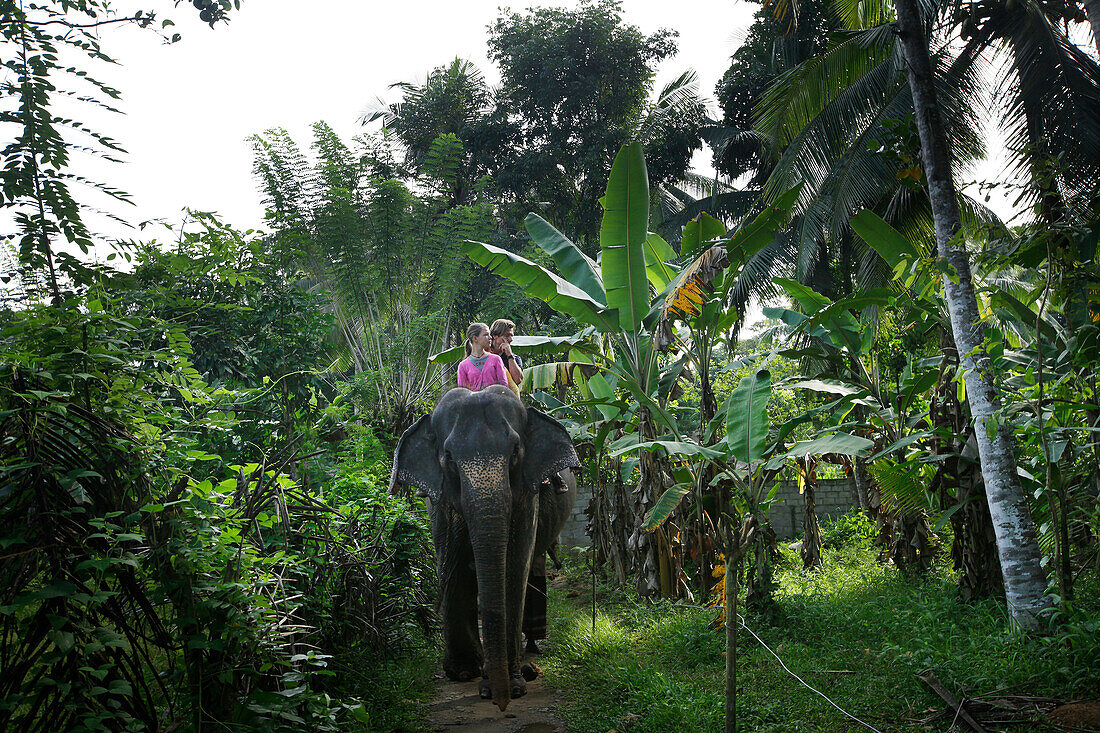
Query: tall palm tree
pixel 1017 540
pixel 839 123
pixel 1071 108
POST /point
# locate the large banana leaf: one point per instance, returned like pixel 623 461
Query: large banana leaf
pixel 555 374
pixel 604 395
pixel 699 232
pixel 888 242
pixel 658 254
pixel 665 506
pixel 538 282
pixel 747 416
pixel 830 386
pixel 807 298
pixel 522 345
pixel 623 233
pixel 673 447
pixel 843 443
pixel 574 265
pixel 842 327
pixel 595 388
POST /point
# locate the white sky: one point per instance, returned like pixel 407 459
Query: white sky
pixel 190 106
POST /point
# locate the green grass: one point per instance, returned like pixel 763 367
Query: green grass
pixel 394 693
pixel 665 664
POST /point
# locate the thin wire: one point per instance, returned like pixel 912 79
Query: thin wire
pixel 792 674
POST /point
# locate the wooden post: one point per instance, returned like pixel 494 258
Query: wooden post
pixel 733 558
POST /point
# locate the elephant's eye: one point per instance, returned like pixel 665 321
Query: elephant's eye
pixel 517 455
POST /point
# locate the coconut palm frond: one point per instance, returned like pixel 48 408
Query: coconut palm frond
pixel 756 277
pixel 729 206
pixel 903 486
pixel 67 473
pixel 700 186
pixel 680 97
pixel 822 123
pixel 1052 93
pixel 861 15
pixel 976 215
pixel 803 94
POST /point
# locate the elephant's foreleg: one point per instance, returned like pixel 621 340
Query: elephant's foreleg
pixel 462 658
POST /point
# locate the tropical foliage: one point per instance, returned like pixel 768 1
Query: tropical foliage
pixel 196 432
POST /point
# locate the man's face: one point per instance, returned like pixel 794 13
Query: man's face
pixel 506 337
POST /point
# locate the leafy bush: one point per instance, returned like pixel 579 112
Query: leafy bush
pixel 852 529
pixel 147 581
pixel 364 464
pixel 365 586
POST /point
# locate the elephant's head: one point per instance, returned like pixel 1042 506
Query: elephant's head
pixel 484 455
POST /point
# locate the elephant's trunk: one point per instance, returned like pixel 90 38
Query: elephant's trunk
pixel 487 496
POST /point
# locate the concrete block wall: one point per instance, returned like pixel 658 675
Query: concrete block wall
pixel 574 533
pixel 833 497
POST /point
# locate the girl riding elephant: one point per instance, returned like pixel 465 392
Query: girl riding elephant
pixel 480 368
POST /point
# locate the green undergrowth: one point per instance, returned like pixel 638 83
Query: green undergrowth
pixel 856 631
pixel 394 692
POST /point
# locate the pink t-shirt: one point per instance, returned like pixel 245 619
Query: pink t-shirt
pixel 477 374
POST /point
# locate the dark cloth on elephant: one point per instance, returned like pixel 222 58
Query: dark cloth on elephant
pixel 534 608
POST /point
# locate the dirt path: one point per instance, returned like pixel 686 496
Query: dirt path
pixel 457 707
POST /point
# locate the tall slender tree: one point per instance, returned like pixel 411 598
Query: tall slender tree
pixel 1017 541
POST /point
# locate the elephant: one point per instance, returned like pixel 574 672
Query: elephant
pixel 482 460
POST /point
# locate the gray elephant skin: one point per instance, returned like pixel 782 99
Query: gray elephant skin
pixel 481 459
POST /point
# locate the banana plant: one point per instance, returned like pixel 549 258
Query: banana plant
pixel 615 298
pixel 839 342
pixel 932 469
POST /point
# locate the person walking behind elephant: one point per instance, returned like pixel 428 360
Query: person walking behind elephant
pixel 501 333
pixel 534 607
pixel 480 368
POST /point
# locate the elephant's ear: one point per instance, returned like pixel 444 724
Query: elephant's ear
pixel 548 449
pixel 415 461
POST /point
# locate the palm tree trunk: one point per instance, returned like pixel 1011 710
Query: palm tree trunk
pixel 1017 541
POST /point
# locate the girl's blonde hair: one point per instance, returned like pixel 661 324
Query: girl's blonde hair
pixel 472 333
